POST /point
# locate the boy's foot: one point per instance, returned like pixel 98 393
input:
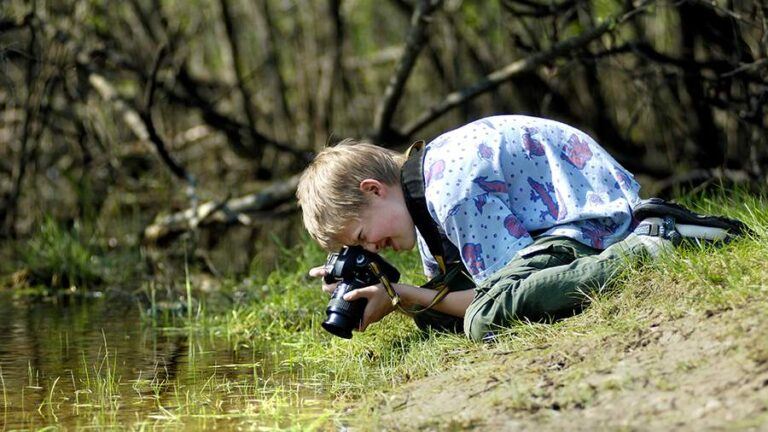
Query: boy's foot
pixel 654 245
pixel 676 223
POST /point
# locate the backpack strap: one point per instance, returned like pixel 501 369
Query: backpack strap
pixel 453 275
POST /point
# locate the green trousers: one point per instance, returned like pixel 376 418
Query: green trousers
pixel 550 279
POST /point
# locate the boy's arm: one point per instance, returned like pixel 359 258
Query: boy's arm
pixel 454 303
pixel 380 305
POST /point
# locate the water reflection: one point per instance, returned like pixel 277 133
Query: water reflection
pixel 97 363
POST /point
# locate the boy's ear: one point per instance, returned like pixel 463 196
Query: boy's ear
pixel 373 186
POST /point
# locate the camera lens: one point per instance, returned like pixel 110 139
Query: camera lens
pixel 343 316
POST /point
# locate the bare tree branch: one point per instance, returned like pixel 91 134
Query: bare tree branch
pixel 30 109
pixel 240 137
pixel 281 89
pixel 416 40
pixel 331 71
pixel 140 123
pixel 245 95
pixel 535 9
pixel 244 139
pixel 512 70
pixel 154 137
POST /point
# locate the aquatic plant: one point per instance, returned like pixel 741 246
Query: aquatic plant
pixel 57 257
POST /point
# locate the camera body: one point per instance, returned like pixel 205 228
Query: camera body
pixel 350 267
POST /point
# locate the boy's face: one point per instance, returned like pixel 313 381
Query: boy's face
pixel 384 222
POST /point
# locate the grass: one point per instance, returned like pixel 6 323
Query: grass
pixel 301 377
pixel 288 309
pixel 689 286
pixel 59 258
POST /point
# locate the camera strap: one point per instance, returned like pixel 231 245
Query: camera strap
pixel 442 292
pixel 387 284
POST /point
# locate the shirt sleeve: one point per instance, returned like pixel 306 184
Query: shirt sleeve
pixel 487 233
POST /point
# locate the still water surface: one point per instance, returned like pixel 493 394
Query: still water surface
pixel 98 363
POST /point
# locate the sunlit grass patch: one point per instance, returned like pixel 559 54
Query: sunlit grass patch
pixel 711 276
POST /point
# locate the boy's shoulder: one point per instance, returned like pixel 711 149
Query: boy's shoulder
pixel 457 160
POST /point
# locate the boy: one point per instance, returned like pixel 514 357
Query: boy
pixel 534 210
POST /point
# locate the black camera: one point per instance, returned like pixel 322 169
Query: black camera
pixel 351 268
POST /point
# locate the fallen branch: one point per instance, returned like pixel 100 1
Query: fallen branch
pixel 228 211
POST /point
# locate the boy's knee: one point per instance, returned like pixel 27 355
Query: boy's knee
pixel 483 316
pixel 476 329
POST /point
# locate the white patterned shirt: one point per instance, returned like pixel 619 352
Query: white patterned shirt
pixel 491 183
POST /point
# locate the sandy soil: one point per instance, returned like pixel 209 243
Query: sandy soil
pixel 700 372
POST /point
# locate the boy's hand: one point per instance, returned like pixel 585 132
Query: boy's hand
pixel 379 304
pixel 320 272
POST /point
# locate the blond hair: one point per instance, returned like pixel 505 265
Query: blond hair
pixel 329 189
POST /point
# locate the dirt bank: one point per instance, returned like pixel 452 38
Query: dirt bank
pixel 707 370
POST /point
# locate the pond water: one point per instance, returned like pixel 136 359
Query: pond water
pixel 99 364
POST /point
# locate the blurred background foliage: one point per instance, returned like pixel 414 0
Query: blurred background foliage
pixel 115 115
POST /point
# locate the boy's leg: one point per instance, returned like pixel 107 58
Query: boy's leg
pixel 544 252
pixel 539 286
